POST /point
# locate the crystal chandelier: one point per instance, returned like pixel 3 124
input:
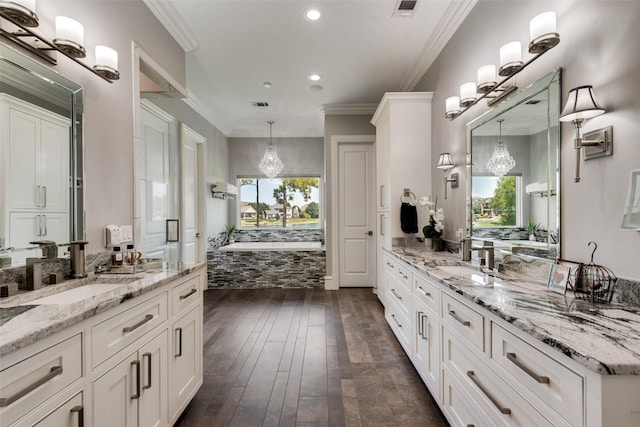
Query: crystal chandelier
pixel 501 161
pixel 271 165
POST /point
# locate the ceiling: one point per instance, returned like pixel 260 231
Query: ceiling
pixel 360 50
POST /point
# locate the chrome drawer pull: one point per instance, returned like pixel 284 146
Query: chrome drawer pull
pixel 80 411
pixel 148 385
pixel 136 363
pixel 425 293
pixel 6 401
pixel 459 319
pixel 393 316
pixel 420 323
pixel 179 354
pixel 191 292
pixel 395 294
pixel 472 375
pixel 514 359
pixel 424 337
pixel 132 328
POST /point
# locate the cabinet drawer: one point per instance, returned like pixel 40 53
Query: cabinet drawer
pixel 464 320
pixel 502 404
pixel 36 379
pixel 426 292
pixel 400 271
pixel 457 405
pixel 400 295
pixel 115 333
pixel 184 294
pixel 553 383
pixel 399 323
pixel 70 413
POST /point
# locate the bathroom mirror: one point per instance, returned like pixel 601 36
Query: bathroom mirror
pixel 41 152
pixel 520 211
pixel 631 216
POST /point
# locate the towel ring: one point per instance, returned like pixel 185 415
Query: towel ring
pixel 410 195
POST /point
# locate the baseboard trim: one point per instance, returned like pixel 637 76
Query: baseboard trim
pixel 330 284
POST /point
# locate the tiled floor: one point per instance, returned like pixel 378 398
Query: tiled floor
pixel 296 357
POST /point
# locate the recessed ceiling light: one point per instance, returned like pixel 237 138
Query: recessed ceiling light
pixel 314 88
pixel 266 84
pixel 312 14
pixel 314 77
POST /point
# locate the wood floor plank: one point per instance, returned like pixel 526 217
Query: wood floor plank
pixel 305 357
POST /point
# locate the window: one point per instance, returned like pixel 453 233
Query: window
pixel 279 202
pixel 497 202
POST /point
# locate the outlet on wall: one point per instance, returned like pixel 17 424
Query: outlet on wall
pixel 127 233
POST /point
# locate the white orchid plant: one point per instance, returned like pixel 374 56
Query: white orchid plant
pixel 435 228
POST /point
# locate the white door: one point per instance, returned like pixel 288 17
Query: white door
pixel 156 184
pixel 356 214
pixel 190 141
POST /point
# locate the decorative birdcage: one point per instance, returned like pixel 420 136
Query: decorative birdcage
pixel 593 282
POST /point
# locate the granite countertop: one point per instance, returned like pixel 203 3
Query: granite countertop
pixel 22 323
pixel 605 338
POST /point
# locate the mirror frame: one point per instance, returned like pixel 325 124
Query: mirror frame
pixel 77 212
pixel 521 97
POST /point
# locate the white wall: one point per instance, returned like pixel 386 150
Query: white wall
pixel 599 46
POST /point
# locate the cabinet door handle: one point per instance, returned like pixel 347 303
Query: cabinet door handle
pixel 381 196
pixel 395 294
pixel 179 330
pixel 45 224
pixel 136 363
pixel 187 295
pixel 420 324
pixel 80 411
pixel 38 196
pixel 459 319
pixel 148 384
pixel 132 328
pixel 39 220
pixel 514 359
pixel 425 293
pixel 44 196
pixel 6 401
pixel 393 316
pixel 500 408
pixel 424 330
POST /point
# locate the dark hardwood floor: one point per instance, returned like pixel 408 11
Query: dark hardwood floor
pixel 304 357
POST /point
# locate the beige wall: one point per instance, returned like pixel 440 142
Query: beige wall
pixel 599 46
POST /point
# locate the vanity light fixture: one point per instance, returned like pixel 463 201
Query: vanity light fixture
pixel 445 163
pixel 581 105
pixel 543 37
pixel 17 20
pixel 271 165
pixel 501 162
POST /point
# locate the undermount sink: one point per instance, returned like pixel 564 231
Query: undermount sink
pixel 467 273
pixel 74 295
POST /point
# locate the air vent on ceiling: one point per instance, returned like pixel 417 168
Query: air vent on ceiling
pixel 260 104
pixel 405 8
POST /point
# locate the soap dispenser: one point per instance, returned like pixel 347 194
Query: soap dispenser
pixel 77 259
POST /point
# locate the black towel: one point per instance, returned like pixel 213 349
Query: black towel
pixel 408 218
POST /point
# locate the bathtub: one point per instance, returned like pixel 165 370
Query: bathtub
pixel 272 246
pixel 251 265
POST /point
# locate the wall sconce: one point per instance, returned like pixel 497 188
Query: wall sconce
pixel 543 36
pixel 581 105
pixel 445 163
pixel 16 23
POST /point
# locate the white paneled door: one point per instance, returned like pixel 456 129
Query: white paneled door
pixel 190 141
pixel 356 214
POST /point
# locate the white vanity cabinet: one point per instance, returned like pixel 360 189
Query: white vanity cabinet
pixel 403 160
pixel 35 168
pixel 137 364
pixel 134 392
pixel 483 371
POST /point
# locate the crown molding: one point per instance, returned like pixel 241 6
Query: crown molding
pixel 169 17
pixel 456 12
pixel 404 97
pixel 199 107
pixel 348 109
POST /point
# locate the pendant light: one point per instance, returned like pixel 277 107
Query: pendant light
pixel 271 165
pixel 501 161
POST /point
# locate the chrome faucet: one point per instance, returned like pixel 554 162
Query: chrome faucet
pixel 48 247
pixel 486 247
pixel 33 278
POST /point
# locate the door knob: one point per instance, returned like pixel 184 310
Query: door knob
pixel 369 233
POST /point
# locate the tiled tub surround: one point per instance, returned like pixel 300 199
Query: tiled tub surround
pixel 22 323
pixel 280 235
pixel 266 268
pixel 605 338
